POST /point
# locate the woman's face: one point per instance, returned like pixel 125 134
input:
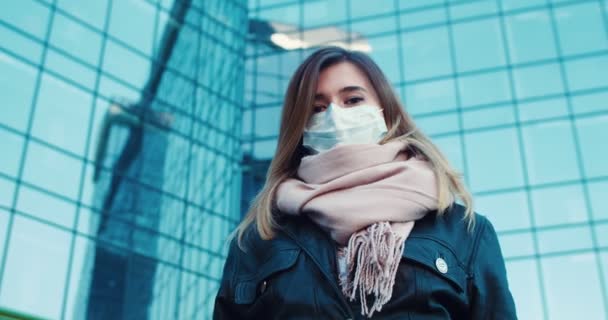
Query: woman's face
pixel 344 85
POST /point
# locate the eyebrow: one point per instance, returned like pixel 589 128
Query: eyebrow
pixel 345 89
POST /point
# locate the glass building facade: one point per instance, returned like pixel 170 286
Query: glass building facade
pixel 120 172
pixel 134 133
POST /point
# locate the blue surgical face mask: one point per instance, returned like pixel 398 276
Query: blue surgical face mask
pixel 361 124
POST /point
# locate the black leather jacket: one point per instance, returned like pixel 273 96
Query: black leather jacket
pixel 446 272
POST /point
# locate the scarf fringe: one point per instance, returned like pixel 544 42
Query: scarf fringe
pixel 372 258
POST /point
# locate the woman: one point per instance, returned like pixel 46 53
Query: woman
pixel 358 217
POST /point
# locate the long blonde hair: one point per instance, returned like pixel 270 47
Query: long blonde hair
pixel 296 111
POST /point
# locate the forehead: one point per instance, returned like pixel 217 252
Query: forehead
pixel 340 75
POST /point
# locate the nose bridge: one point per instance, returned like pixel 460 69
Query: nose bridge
pixel 336 104
pixel 332 108
pixel 336 100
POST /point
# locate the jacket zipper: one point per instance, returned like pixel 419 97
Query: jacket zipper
pixel 328 276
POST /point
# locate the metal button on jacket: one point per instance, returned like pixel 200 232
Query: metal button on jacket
pixel 263 287
pixel 441 265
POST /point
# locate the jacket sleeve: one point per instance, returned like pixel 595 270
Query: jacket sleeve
pixel 224 307
pixel 491 297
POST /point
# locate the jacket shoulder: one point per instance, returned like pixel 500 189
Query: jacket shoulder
pixel 256 251
pixel 255 246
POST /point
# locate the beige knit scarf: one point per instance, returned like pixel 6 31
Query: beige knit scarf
pixel 367 197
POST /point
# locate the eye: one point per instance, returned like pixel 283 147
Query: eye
pixel 318 109
pixel 353 100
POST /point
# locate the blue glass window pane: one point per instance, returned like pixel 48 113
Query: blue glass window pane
pixel 108 87
pixel 247 123
pixel 76 39
pixel 360 9
pixel 517 245
pixel 506 210
pixel 538 81
pixel 589 73
pixel 426 53
pixel 35 274
pixel 16 88
pixel 268 65
pixel 478 44
pixel 418 4
pixel 74 304
pixel 92 12
pixel 12 146
pixel 376 25
pixel 88 198
pixel 133 22
pixel 451 147
pixel 51 170
pixel 530 36
pixel 583 290
pixel 559 205
pixel 117 57
pixel 60 103
pixel 385 53
pixel 27 15
pixel 408 20
pixel 7 190
pixel 493 160
pixel 20 45
pixel 550 152
pixel 432 96
pixel 4 216
pixel 601 233
pixel 264 149
pixel 267 121
pixel 524 284
pixel 576 20
pixel 438 124
pixel 488 117
pixel 604 256
pixel 552 240
pixel 71 71
pixel 592 137
pixel 466 9
pixel 487 88
pixel 599 201
pixel 265 3
pixel 520 4
pixel 289 15
pixel 543 109
pixel 268 92
pixel 592 102
pixel 289 63
pixel 46 207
